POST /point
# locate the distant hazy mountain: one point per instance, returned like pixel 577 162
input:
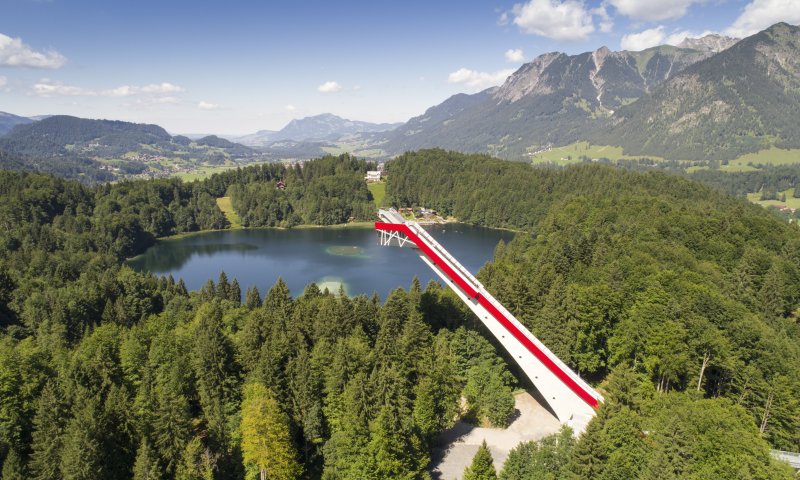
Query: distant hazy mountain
pixel 740 100
pixel 710 43
pixel 65 136
pixel 84 169
pixel 258 139
pixel 322 127
pixel 557 98
pixel 9 121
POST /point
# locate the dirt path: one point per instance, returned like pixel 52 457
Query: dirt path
pixel 459 444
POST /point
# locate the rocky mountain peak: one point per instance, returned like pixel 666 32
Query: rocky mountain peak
pixel 600 55
pixel 712 43
pixel 528 79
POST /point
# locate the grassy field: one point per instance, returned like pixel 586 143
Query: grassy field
pixel 790 202
pixel 570 154
pixel 378 191
pixel 338 150
pixel 733 168
pixel 224 204
pixel 772 156
pixel 203 172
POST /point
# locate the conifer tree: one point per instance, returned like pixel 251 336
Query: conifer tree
pixel 215 369
pixel 482 467
pixel 223 287
pixel 82 455
pixel 235 292
pixel 266 443
pixel 13 468
pixel 197 462
pixel 146 465
pixel 279 301
pixel 180 288
pixel 48 431
pixel 252 298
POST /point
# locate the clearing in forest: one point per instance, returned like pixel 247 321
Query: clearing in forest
pixel 224 204
pixel 378 191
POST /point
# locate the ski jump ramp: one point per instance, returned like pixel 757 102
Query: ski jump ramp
pixel 572 399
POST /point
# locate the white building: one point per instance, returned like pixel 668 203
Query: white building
pixel 373 176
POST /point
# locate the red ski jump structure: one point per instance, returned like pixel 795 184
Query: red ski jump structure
pixel 570 397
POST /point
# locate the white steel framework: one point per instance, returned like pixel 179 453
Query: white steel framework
pixel 570 397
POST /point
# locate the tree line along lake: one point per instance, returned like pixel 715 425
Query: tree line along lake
pixel 328 256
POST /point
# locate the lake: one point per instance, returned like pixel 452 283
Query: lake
pixel 348 256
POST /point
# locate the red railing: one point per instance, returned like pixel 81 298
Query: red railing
pixel 486 303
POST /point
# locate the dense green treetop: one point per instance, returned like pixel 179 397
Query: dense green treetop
pixel 677 301
pixel 693 288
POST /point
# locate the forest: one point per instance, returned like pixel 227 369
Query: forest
pixel 326 191
pixel 769 180
pixel 674 299
pixel 691 289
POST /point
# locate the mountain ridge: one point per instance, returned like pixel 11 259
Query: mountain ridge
pixel 322 127
pixel 556 98
pixel 738 101
pixel 717 100
pixel 8 121
pixel 94 150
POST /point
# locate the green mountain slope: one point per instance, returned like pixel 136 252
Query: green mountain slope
pixel 9 121
pixel 557 99
pixel 741 100
pixel 66 136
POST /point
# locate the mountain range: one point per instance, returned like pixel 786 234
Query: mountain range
pixel 101 150
pixel 714 97
pixel 710 98
pixel 9 121
pixel 743 99
pixel 555 99
pixel 63 135
pixel 319 128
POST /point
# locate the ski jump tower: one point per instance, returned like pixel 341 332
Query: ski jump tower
pixel 571 399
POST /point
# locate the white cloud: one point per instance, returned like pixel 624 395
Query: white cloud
pixel 681 35
pixel 479 80
pixel 606 22
pixel 644 39
pixel 164 87
pixel 556 19
pixel 329 87
pixel 655 36
pixel 653 10
pixel 49 88
pixel 123 91
pixel 3 81
pixel 15 53
pixel 503 19
pixel 760 14
pixel 155 88
pixel 166 100
pixel 148 102
pixel 203 105
pixel 290 108
pixel 515 55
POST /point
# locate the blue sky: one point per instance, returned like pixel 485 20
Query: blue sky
pixel 240 66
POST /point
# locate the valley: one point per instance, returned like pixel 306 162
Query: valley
pixel 577 257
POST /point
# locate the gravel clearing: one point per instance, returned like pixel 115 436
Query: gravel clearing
pixel 458 445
